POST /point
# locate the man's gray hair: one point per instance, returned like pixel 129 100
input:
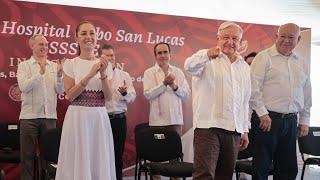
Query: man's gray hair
pixel 228 24
pixel 32 39
pixel 293 25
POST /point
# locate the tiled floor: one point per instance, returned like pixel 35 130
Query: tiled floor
pixel 311 173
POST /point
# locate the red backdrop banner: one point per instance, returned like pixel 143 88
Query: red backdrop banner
pixel 132 34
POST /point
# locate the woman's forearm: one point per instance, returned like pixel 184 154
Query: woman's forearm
pixel 76 90
pixel 106 88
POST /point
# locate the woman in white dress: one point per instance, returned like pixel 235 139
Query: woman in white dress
pixel 86 146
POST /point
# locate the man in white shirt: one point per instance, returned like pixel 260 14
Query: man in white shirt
pixel 221 93
pixel 281 89
pixel 165 85
pixel 39 80
pixel 122 93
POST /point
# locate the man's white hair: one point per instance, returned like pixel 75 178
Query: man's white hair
pixel 228 24
pixel 297 28
pixel 32 39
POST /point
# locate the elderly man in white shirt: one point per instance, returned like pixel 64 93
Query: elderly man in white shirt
pixel 122 93
pixel 281 89
pixel 39 80
pixel 165 85
pixel 221 92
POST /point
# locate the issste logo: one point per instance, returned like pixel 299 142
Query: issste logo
pixel 15 93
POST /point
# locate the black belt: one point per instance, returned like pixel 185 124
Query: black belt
pixel 116 116
pixel 282 115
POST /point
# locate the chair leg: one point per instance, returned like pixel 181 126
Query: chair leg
pixel 44 175
pixel 139 173
pixel 136 170
pixel 237 175
pixel 303 169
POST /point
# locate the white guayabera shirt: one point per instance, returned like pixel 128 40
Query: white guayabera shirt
pixel 165 104
pixel 221 91
pixel 38 92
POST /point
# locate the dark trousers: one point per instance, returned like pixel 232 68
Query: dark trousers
pixel 215 153
pixel 278 146
pixel 30 131
pixel 119 130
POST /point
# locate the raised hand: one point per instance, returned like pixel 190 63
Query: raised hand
pixel 123 89
pixel 103 57
pixel 42 66
pixel 103 66
pixel 59 67
pixel 172 83
pixel 214 52
pixel 169 79
pixel 94 70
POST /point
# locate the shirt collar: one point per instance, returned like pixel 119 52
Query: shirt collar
pixel 239 57
pixel 116 70
pixel 157 67
pixel 34 61
pixel 274 52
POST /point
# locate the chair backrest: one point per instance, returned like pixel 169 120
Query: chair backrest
pixel 9 136
pixel 248 152
pixel 50 144
pixel 310 144
pixel 158 144
pixel 140 127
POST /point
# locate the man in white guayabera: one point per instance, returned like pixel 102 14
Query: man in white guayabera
pixel 39 80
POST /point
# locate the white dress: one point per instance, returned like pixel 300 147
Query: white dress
pixel 86 146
